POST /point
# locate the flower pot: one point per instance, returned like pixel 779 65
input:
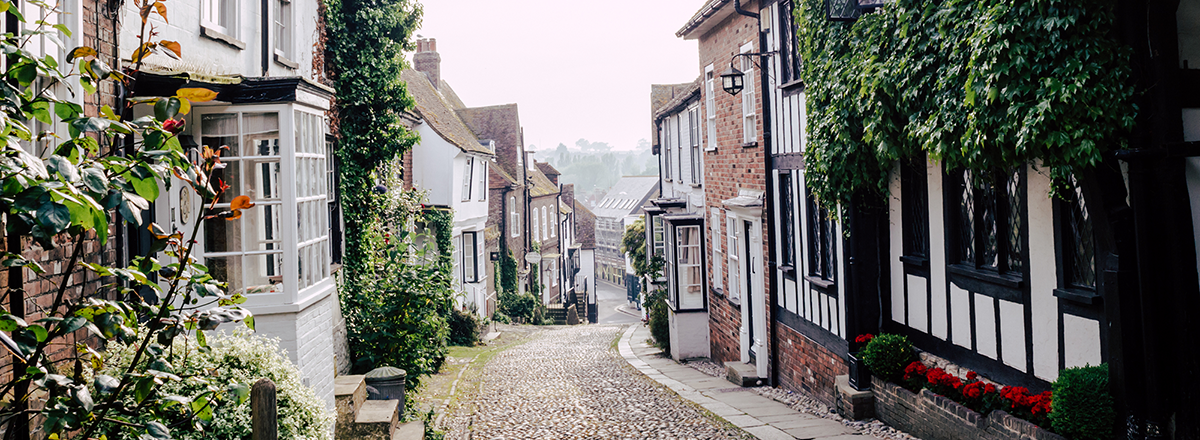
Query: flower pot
pixel 860 376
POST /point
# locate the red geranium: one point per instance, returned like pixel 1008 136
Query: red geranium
pixel 863 339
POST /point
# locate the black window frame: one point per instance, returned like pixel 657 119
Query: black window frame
pixel 964 265
pixel 787 216
pixel 673 291
pixel 791 64
pixel 914 212
pixel 1072 236
pixel 336 235
pixel 822 249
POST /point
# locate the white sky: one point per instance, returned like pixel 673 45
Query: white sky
pixel 577 69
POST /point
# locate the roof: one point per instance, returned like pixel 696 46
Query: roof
pixel 708 17
pixel 500 123
pixel 548 169
pixel 585 226
pixel 540 185
pixel 451 97
pixel 684 94
pixel 627 196
pixel 498 178
pixel 436 111
pixel 564 208
pixel 660 95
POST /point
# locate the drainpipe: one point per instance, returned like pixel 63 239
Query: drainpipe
pixel 768 199
pixel 266 39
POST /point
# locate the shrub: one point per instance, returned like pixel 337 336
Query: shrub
pixel 500 317
pixel 238 358
pixel 887 356
pixel 1082 407
pixel 464 328
pixel 656 302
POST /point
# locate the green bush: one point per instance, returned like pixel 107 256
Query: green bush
pixel 887 356
pixel 464 328
pixel 1082 408
pixel 656 303
pixel 237 358
pixel 523 308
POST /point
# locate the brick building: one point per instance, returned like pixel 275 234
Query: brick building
pixel 735 185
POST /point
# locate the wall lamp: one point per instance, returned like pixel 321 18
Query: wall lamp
pixel 733 80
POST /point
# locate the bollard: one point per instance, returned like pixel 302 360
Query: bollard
pixel 264 411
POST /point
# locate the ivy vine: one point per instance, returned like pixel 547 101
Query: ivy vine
pixel 984 85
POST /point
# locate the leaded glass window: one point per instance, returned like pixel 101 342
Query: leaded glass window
pixel 989 219
pixel 914 201
pixel 821 240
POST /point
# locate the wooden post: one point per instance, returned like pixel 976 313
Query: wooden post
pixel 264 411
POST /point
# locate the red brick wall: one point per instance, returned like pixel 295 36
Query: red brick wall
pixel 806 366
pixel 731 167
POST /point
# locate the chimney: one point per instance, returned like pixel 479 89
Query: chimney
pixel 427 60
pixel 529 160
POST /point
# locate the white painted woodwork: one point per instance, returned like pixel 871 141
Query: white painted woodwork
pixel 1012 334
pixel 985 325
pixel 1081 341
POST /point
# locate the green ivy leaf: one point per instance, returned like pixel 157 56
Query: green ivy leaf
pixel 54 216
pixel 105 384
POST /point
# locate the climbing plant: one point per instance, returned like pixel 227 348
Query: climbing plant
pixel 984 85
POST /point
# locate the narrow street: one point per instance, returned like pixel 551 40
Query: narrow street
pixel 570 383
pixel 612 305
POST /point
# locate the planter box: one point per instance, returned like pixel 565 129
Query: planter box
pixel 933 417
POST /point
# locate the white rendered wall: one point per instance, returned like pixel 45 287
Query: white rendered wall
pixel 307 337
pixel 689 334
pixel 1044 279
pixel 435 169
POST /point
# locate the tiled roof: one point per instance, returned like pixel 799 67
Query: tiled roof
pixel 660 95
pixel 498 178
pixel 548 169
pixel 451 97
pixel 585 226
pixel 627 196
pixel 540 184
pixel 683 96
pixel 705 19
pixel 500 123
pixel 436 111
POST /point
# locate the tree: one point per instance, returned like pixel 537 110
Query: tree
pixel 103 168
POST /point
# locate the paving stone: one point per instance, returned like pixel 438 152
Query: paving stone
pixel 769 433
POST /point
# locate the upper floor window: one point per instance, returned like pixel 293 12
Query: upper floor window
pixel 718 257
pixel 219 15
pixel 789 52
pixel 514 227
pixel 545 224
pixel 710 106
pixel 656 235
pixel 749 114
pixel 678 144
pixel 689 272
pixel 986 225
pixel 466 182
pixel 694 124
pixel 283 28
pixel 666 148
pixel 535 225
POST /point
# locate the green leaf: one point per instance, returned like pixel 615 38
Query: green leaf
pixel 166 108
pixel 80 395
pixel 241 390
pixel 10 323
pixel 158 431
pixel 146 186
pixel 64 167
pixel 54 217
pixel 249 321
pixel 95 180
pixel 106 384
pixel 71 324
pixel 143 388
pixel 25 74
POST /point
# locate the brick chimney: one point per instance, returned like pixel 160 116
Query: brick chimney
pixel 427 60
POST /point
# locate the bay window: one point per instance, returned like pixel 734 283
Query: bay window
pixel 688 281
pixel 278 156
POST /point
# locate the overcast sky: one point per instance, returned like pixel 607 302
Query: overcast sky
pixel 577 69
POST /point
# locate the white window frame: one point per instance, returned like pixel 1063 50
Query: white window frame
pixel 470 255
pixel 302 201
pixel 468 170
pixel 694 148
pixel 283 29
pixel 749 112
pixel 718 257
pixel 545 224
pixel 514 229
pixel 710 106
pixel 688 256
pixel 666 148
pixel 213 11
pixel 536 235
pixel 733 256
pixel 481 181
pixel 554 225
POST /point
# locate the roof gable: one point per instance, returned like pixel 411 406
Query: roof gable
pixel 437 112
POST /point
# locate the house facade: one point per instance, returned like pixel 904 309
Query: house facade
pixel 735 143
pixel 620 207
pixel 271 111
pixel 449 148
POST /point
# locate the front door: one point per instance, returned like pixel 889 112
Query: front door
pixel 748 279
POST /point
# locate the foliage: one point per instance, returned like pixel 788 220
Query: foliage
pixel 1083 407
pixel 535 281
pixel 239 358
pixel 67 195
pixel 656 306
pixel 633 244
pixel 399 319
pixel 464 328
pixel 508 273
pixel 984 85
pixel 887 355
pixel 980 396
pixel 524 308
pixel 502 318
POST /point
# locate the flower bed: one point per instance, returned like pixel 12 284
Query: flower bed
pixel 980 396
pixel 930 416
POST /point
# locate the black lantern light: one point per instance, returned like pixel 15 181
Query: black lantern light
pixel 733 81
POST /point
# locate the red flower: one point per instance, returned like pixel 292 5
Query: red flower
pixel 989 389
pixel 971 375
pixel 914 370
pixel 863 339
pixel 173 125
pixel 973 390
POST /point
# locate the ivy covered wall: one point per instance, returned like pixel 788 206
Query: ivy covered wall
pixel 986 85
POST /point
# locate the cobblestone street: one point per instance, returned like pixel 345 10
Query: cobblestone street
pixel 570 383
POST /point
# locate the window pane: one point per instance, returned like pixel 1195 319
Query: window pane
pixel 786 215
pixel 914 200
pixel 966 219
pixel 262 225
pixel 262 180
pixel 1080 248
pixel 261 134
pixel 231 175
pixel 1013 223
pixel 223 236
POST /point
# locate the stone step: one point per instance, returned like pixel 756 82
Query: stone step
pixel 414 430
pixel 349 393
pixel 745 375
pixel 375 420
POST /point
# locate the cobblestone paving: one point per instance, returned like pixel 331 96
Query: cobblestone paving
pixel 569 383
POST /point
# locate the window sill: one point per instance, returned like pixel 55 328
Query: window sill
pixel 797 84
pixel 695 185
pixel 1001 286
pixel 718 291
pixel 1080 296
pixel 283 61
pixel 749 144
pixel 920 262
pixel 710 150
pixel 820 283
pixel 214 34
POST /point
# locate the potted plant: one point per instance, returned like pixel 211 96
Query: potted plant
pixel 860 375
